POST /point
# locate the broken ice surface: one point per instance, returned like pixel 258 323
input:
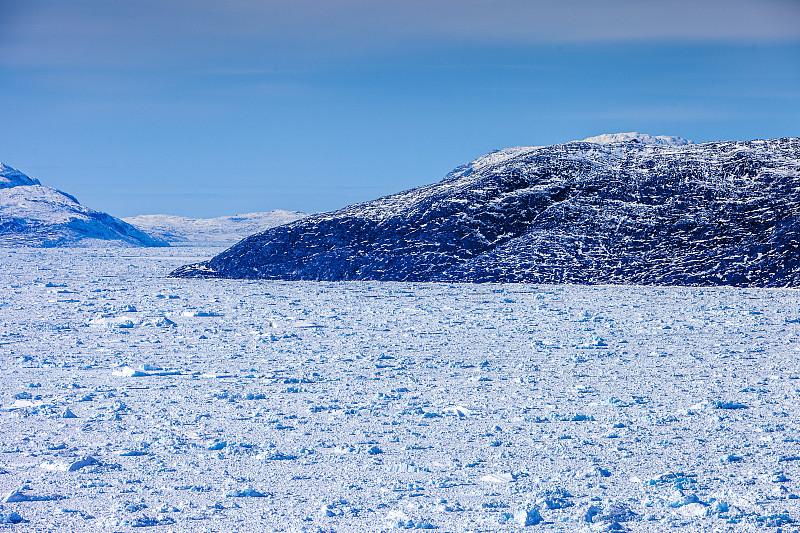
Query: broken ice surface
pixel 366 406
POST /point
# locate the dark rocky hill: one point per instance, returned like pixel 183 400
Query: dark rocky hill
pixel 620 209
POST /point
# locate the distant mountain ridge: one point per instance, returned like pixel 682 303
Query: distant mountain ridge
pixel 179 230
pixel 615 211
pixel 32 214
pixel 644 138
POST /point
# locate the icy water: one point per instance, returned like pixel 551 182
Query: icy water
pixel 132 400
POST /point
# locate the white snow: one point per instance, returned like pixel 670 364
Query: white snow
pixel 493 158
pixel 644 138
pixel 498 157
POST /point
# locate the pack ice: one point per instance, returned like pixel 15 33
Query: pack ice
pixel 131 401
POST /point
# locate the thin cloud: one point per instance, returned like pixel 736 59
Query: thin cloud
pixel 171 31
pixel 550 21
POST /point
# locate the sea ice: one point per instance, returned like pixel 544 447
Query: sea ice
pixel 300 414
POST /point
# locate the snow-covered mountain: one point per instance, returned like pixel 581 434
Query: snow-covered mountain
pixel 34 215
pixel 615 211
pixel 220 230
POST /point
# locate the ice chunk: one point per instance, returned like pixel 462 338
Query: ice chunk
pixel 720 506
pixel 130 453
pixel 128 372
pixel 196 313
pixel 405 468
pixel 18 496
pixel 457 410
pixel 11 518
pixel 527 516
pixel 776 520
pixel 503 477
pixel 398 519
pixel 276 456
pixel 21 404
pixel 693 510
pixel 165 322
pixel 555 499
pixel 593 471
pixel 54 467
pixel 83 462
pixel 618 512
pixel 248 492
pixel 150 521
pixel 587 513
pixel 111 321
pixel 729 405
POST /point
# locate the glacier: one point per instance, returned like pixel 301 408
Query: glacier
pixel 185 231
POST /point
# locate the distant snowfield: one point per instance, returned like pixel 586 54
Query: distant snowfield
pixel 131 400
pixel 221 230
pixel 664 140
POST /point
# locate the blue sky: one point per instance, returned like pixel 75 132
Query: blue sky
pixel 206 108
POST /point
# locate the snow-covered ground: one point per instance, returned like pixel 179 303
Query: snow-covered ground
pixel 129 399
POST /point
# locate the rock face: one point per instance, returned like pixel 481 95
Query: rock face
pixel 621 208
pixel 34 215
pixel 221 230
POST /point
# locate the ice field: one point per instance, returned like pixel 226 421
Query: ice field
pixel 129 400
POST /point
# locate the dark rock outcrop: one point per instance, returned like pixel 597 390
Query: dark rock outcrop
pixel 631 211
